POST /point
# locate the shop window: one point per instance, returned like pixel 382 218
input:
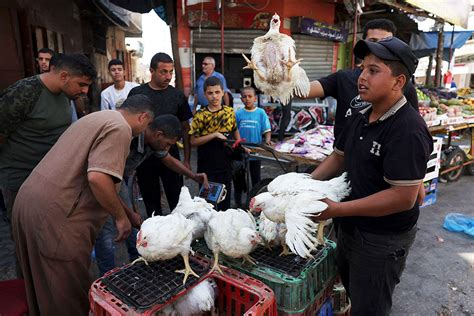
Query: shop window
pixel 43 37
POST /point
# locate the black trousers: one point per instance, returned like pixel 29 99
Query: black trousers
pixel 149 174
pixel 255 176
pixel 370 266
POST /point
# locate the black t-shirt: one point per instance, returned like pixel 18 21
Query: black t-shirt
pixel 342 86
pixel 166 101
pixel 214 158
pixel 391 151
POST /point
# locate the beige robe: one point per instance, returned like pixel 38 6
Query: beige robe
pixel 56 217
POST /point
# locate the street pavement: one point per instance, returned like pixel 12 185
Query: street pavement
pixel 439 276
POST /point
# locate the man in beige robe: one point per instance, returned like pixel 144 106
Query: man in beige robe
pixel 62 205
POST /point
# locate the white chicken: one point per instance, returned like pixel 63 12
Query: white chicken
pixel 165 237
pixel 276 70
pixel 294 198
pixel 195 209
pixel 199 299
pixel 234 233
pixel 273 234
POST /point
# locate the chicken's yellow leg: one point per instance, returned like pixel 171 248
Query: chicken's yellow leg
pixel 290 63
pixel 320 235
pixel 187 269
pixel 138 260
pixel 216 266
pixel 285 251
pixel 249 259
pixel 251 65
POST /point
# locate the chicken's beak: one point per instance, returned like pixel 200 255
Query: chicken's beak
pixel 252 203
pixel 257 240
pixel 140 243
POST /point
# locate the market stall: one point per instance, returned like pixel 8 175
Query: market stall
pixel 450 116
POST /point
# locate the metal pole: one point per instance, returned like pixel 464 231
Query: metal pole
pixel 428 71
pixel 439 57
pixel 451 48
pixel 354 30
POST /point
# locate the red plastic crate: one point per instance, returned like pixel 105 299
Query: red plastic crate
pixel 13 298
pixel 238 294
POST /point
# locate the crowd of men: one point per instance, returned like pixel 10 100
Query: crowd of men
pixel 66 177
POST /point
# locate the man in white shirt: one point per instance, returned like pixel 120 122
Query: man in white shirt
pixel 113 96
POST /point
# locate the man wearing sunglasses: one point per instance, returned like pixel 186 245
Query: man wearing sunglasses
pixel 208 66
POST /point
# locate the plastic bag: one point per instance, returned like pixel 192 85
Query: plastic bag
pixel 457 222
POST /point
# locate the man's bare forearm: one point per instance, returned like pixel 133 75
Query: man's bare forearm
pixel 329 167
pixel 103 188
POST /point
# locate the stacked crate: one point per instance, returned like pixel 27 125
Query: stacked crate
pixel 301 286
pixel 430 181
pixel 145 290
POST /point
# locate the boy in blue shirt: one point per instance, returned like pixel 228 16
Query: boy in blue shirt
pixel 252 123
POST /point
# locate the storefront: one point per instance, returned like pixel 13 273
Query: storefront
pixel 200 34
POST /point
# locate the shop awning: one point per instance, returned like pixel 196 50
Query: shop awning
pixel 425 44
pixel 453 11
pixel 128 21
pixel 139 6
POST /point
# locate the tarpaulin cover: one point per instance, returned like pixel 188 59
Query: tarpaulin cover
pixel 453 11
pixel 425 44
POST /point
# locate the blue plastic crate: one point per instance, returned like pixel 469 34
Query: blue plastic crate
pixel 326 309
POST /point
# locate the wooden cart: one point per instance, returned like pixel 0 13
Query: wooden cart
pixel 454 158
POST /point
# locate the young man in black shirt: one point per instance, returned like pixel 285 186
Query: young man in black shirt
pixel 166 100
pixel 342 85
pixel 384 148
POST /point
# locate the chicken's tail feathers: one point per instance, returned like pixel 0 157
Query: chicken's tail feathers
pixel 300 236
pixel 267 229
pixel 253 219
pixel 184 195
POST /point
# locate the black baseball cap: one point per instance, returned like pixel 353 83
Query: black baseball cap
pixel 388 49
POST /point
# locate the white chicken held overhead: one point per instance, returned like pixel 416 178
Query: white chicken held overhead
pixel 196 209
pixel 165 237
pixel 234 233
pixel 276 70
pixel 293 199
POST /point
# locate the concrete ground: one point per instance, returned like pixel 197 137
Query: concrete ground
pixel 438 279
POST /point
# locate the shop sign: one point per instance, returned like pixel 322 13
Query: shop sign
pixel 320 29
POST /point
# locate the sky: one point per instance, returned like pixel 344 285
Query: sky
pixel 156 36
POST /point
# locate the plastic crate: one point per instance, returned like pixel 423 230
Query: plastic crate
pixel 315 307
pixel 340 300
pixel 429 199
pixel 238 294
pixel 433 165
pixel 326 309
pixel 295 289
